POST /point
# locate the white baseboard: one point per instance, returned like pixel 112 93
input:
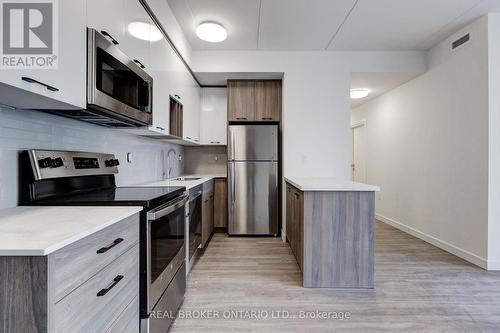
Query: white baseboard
pixel 464 254
pixel 493 265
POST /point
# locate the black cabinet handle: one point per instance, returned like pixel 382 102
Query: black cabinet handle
pixel 160 128
pixel 30 80
pixel 117 279
pixel 267 118
pixel 241 118
pixel 105 33
pixel 215 142
pixel 115 243
pixel 139 63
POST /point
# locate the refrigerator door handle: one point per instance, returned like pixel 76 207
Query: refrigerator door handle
pixel 233 185
pixel 232 146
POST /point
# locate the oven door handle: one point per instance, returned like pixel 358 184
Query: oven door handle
pixel 166 209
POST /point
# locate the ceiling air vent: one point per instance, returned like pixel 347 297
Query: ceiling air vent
pixel 461 41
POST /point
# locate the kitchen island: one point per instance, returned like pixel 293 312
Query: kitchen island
pixel 330 225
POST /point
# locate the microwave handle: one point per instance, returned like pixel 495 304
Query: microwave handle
pixel 105 33
pixel 139 63
pixel 166 209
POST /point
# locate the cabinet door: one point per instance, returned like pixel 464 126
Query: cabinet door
pixel 191 101
pixel 241 100
pixel 139 31
pixel 299 209
pixel 268 100
pixel 69 78
pixel 288 210
pixel 162 67
pixel 213 116
pixel 220 203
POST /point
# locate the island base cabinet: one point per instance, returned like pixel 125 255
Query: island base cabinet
pixel 332 235
pixel 106 302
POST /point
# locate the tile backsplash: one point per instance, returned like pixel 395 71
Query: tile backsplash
pixel 205 160
pixel 22 129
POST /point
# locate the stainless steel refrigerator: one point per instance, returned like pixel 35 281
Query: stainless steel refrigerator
pixel 253 179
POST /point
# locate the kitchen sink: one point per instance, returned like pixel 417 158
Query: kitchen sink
pixel 187 179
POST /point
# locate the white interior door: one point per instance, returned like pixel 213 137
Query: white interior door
pixel 358 167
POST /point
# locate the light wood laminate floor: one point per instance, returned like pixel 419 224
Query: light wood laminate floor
pixel 418 288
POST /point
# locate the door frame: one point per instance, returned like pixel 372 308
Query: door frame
pixel 354 125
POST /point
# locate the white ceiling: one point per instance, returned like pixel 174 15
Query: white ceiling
pixel 377 83
pixel 329 24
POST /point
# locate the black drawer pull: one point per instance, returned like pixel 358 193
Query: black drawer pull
pixel 30 80
pixel 267 118
pixel 115 243
pixel 117 279
pixel 105 33
pixel 160 128
pixel 139 63
pixel 215 142
pixel 241 118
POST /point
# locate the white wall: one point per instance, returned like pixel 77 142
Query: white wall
pixel 316 116
pixel 494 142
pixel 427 144
pixel 21 129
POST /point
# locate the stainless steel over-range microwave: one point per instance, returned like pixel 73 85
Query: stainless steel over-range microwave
pixel 119 91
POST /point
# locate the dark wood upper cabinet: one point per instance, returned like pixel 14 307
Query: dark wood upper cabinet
pixel 241 100
pixel 268 100
pixel 254 100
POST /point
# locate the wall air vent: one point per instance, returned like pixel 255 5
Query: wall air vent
pixel 461 41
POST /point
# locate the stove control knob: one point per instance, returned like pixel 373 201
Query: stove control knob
pixel 57 162
pixel 112 163
pixel 45 163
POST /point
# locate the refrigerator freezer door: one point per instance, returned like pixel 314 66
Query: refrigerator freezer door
pixel 253 143
pixel 253 198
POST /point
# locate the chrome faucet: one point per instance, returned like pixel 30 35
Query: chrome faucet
pixel 171 150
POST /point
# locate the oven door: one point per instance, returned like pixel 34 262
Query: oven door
pixel 116 83
pixel 165 247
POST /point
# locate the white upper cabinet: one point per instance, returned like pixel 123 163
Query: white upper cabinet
pixel 138 33
pixel 65 86
pixel 99 18
pixel 213 116
pixel 191 102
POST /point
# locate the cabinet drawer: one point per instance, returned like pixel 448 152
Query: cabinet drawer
pixel 95 306
pixel 128 322
pixel 76 263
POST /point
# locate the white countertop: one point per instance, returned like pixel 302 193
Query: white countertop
pixel 39 231
pixel 186 183
pixel 329 184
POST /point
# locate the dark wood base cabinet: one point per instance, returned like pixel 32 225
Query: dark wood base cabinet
pixel 220 204
pixel 332 235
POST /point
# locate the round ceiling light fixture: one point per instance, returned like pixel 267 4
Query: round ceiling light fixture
pixel 359 93
pixel 145 31
pixel 211 32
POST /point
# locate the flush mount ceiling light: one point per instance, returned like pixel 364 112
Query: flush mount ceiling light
pixel 359 93
pixel 144 31
pixel 211 32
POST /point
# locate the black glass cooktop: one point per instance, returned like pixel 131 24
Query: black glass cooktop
pixel 119 196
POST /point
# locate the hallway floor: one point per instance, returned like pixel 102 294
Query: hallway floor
pixel 418 288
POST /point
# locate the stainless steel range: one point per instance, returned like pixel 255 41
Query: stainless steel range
pixel 58 178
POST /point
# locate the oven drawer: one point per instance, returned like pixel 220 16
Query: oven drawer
pixel 76 263
pixel 128 322
pixel 95 306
